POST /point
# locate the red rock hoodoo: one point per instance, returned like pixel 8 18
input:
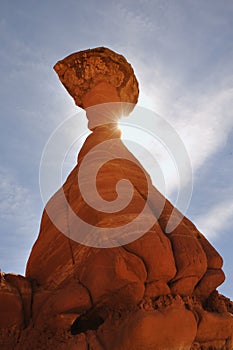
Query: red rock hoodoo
pixel 125 289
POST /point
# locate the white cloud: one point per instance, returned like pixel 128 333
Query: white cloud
pixel 135 19
pixel 217 219
pixel 204 127
pixel 19 223
pixel 17 205
pixel 202 115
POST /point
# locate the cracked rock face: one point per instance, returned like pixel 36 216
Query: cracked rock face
pixel 82 71
pixel 155 292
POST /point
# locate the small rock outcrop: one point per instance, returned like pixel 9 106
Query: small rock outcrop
pixel 157 291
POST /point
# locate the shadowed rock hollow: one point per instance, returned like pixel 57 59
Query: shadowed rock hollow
pixel 155 292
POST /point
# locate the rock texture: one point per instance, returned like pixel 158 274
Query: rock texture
pixel 155 292
pixel 81 71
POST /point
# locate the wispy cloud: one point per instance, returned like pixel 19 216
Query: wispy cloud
pixel 17 202
pixel 135 18
pixel 217 219
pixel 201 113
pixel 19 222
pixel 13 198
pixel 204 123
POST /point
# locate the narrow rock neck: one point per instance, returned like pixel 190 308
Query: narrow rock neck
pixel 99 135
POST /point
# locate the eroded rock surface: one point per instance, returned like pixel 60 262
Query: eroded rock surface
pixel 155 292
pixel 81 71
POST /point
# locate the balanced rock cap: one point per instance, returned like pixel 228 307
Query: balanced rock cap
pixel 83 70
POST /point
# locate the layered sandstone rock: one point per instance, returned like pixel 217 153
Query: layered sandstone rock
pixel 135 290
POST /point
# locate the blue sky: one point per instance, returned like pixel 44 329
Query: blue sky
pixel 182 53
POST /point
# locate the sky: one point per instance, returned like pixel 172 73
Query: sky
pixel 182 54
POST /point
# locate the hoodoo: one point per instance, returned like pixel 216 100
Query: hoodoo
pixel 103 273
